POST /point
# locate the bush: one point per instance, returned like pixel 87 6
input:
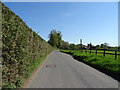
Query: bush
pixel 22 50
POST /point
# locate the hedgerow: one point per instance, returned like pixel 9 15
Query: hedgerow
pixel 22 49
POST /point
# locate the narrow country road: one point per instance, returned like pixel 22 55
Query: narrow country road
pixel 62 71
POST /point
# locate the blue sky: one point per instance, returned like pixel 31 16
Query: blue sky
pixel 95 22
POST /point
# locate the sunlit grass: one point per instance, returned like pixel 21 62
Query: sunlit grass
pixel 106 62
pixel 101 53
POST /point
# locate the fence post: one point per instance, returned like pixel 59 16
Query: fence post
pixel 104 52
pixel 115 54
pixel 96 51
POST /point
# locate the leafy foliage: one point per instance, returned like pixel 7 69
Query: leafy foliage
pixel 55 38
pixel 65 45
pixel 22 49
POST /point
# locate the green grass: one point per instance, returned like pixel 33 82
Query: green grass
pixel 34 65
pixel 100 53
pixel 105 62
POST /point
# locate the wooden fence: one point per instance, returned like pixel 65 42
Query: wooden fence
pixel 103 51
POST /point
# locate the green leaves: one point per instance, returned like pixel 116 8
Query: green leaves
pixel 55 38
pixel 22 49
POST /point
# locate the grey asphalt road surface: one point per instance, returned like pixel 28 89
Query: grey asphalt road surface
pixel 62 71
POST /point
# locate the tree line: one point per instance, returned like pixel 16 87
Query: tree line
pixel 55 40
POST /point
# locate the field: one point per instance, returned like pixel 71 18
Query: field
pixel 104 62
pixel 110 54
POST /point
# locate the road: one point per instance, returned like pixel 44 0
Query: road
pixel 62 71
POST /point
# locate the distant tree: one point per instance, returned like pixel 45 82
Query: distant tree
pixel 102 46
pixel 59 36
pixel 77 47
pixel 89 46
pixel 106 45
pixel 65 45
pixel 55 38
pixel 98 47
pixel 72 46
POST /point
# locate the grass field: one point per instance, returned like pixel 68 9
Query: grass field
pixel 104 62
pixel 100 53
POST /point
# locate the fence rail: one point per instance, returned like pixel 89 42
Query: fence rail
pixel 103 51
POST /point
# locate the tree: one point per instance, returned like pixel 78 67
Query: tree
pixel 102 45
pixel 59 36
pixel 55 38
pixel 89 46
pixel 97 46
pixel 77 47
pixel 65 45
pixel 72 46
pixel 106 45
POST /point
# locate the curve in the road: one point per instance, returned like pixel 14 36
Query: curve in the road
pixel 62 71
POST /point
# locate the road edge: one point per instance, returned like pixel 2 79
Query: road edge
pixel 34 73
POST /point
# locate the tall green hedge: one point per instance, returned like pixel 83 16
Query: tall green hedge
pixel 22 49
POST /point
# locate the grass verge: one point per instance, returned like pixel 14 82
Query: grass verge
pixel 31 69
pixel 100 62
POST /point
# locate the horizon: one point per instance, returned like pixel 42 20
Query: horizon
pixel 76 21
